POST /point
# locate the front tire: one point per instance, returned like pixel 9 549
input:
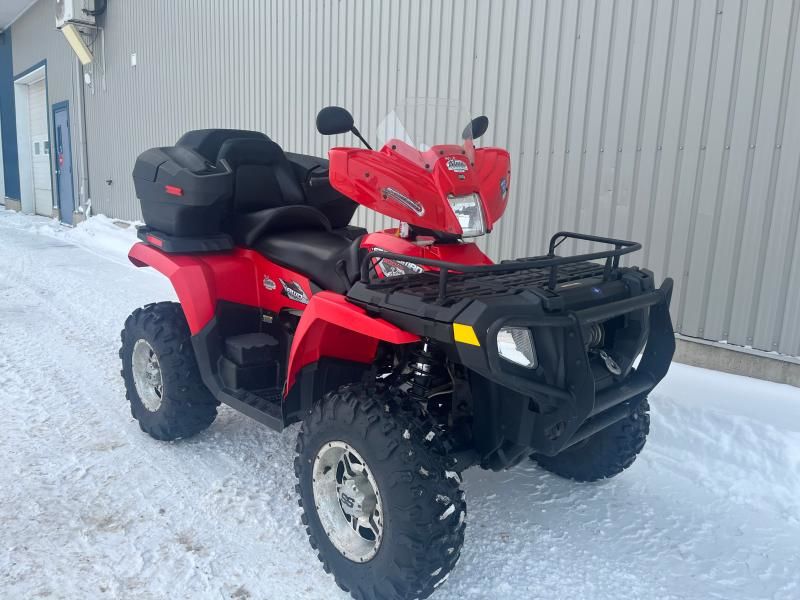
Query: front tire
pixel 162 381
pixel 606 453
pixel 362 458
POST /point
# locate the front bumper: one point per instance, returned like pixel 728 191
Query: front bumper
pixel 570 395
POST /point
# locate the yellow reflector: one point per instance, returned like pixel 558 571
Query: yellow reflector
pixel 465 334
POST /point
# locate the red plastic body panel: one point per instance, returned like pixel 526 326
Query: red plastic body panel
pixel 335 328
pixel 242 276
pixel 464 253
pixel 363 175
pixel 493 175
pixel 329 327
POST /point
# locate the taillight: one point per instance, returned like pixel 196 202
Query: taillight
pixel 173 190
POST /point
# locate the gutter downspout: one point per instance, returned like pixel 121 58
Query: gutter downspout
pixel 84 198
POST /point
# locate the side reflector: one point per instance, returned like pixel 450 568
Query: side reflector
pixel 465 334
pixel 173 190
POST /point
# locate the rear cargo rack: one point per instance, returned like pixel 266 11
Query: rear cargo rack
pixel 550 261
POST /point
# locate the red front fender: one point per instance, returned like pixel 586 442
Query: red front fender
pixel 333 327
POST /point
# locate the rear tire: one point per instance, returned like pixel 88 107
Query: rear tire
pixel 420 532
pixel 606 453
pixel 162 381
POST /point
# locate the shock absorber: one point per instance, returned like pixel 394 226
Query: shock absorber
pixel 427 375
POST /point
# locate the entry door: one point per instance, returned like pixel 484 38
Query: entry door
pixel 63 157
pixel 40 149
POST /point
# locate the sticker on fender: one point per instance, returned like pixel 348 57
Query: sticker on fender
pixel 294 291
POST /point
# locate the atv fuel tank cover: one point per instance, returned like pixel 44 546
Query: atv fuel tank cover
pixel 465 334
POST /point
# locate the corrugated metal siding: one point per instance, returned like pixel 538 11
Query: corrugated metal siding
pixel 35 38
pixel 666 121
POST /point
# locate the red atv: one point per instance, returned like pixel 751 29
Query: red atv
pixel 407 355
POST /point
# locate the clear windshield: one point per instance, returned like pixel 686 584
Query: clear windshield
pixel 421 123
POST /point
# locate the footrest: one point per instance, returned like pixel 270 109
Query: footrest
pixel 268 401
pixel 265 405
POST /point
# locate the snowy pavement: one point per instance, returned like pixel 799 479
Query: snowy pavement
pixel 93 508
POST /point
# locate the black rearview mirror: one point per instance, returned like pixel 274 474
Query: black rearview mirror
pixel 334 119
pixel 476 128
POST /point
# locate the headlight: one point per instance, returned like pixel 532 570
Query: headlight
pixel 515 345
pixel 469 213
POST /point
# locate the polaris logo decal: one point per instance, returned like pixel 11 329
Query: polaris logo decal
pixel 269 284
pixel 394 268
pixel 456 165
pixel 294 291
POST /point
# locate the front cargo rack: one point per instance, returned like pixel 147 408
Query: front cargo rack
pixel 455 281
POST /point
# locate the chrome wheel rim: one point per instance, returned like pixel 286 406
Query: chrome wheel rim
pixel 348 501
pixel 147 375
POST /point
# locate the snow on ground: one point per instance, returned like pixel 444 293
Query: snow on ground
pixel 93 508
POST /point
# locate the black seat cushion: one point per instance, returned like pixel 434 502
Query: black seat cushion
pixel 207 142
pixel 266 194
pixel 263 176
pixel 249 227
pixel 327 259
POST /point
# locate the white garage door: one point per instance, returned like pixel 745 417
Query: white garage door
pixel 40 149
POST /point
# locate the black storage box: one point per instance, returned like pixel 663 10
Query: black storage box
pixel 183 190
pixel 180 192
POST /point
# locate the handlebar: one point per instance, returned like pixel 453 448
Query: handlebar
pixel 319 179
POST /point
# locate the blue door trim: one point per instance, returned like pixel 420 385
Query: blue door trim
pixel 8 117
pixel 32 68
pixel 63 105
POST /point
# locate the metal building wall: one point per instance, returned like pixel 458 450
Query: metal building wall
pixel 34 38
pixel 665 121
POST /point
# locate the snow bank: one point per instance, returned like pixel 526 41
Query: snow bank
pixel 99 234
pixel 735 436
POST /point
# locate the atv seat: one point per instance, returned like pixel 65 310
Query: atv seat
pixel 271 216
pixel 326 258
pixel 268 197
pixel 250 227
pixel 266 193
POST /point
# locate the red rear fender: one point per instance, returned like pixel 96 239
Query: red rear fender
pixel 200 281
